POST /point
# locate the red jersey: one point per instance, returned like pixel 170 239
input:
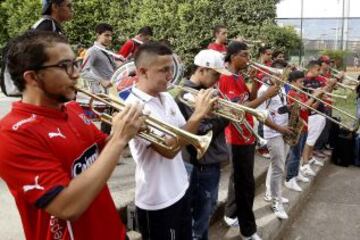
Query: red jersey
pixel 304 112
pixel 235 89
pixel 129 48
pixel 218 47
pixel 41 150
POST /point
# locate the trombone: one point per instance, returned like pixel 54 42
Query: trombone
pixel 201 143
pixel 346 76
pixel 334 95
pixel 272 71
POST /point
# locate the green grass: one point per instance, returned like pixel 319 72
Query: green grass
pixel 348 105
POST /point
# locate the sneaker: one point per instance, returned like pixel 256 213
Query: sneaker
pixel 231 222
pixel 264 152
pixel 307 171
pixel 292 185
pixel 268 198
pixel 255 236
pixel 316 162
pixel 278 209
pixel 302 178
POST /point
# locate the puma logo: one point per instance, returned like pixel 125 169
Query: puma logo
pixel 37 186
pixel 56 134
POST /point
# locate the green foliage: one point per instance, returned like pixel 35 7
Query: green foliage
pixel 187 24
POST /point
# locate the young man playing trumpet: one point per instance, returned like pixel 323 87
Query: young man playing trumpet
pixel 54 160
pixel 242 149
pixel 205 176
pixel 161 179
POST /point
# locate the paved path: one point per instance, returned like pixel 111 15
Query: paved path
pixel 333 209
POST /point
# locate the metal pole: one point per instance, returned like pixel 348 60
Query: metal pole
pixel 301 31
pixel 342 26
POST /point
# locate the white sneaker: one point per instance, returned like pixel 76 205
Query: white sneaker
pixel 316 162
pixel 278 209
pixel 307 171
pixel 302 178
pixel 231 222
pixel 292 185
pixel 255 236
pixel 268 198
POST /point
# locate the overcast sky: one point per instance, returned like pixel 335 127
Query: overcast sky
pixel 316 8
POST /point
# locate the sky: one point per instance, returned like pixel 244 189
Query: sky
pixel 316 8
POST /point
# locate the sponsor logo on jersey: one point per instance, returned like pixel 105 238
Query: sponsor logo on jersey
pixel 86 159
pixel 24 121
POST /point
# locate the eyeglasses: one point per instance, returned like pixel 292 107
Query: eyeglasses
pixel 70 66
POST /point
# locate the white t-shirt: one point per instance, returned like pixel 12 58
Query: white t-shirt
pixel 272 105
pixel 160 182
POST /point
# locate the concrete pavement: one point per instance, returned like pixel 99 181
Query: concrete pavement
pixel 332 210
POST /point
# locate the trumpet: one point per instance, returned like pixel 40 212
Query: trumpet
pixel 272 71
pixel 234 112
pixel 225 108
pixel 201 143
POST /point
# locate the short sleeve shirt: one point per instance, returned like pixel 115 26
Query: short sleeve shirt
pixel 235 89
pixel 160 182
pixel 41 151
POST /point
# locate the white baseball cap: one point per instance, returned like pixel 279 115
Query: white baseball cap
pixel 209 58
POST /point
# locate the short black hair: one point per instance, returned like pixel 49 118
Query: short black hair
pixel 295 75
pixel 28 52
pixel 151 48
pixel 262 50
pixel 313 63
pixel 103 27
pixel 217 29
pixel 279 63
pixel 56 2
pixel 234 48
pixel 147 31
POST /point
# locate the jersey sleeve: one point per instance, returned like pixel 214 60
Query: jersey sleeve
pixel 126 49
pixel 30 169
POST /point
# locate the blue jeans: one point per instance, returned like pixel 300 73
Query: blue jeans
pixel 293 161
pixel 204 185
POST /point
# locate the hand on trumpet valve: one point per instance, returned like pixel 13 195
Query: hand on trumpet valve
pixel 204 102
pixel 127 123
pixel 340 76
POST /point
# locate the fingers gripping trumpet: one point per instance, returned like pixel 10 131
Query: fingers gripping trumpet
pixel 201 143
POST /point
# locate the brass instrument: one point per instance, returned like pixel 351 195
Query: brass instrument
pixel 334 95
pixel 273 71
pixel 295 123
pixel 229 110
pixel 201 143
pixel 347 77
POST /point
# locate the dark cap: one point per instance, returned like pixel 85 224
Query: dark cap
pixel 46 4
pixel 296 75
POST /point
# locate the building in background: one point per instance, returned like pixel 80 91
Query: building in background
pixel 323 25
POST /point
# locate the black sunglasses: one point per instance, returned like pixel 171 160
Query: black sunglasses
pixel 70 66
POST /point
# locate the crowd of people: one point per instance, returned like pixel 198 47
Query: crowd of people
pixel 56 162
